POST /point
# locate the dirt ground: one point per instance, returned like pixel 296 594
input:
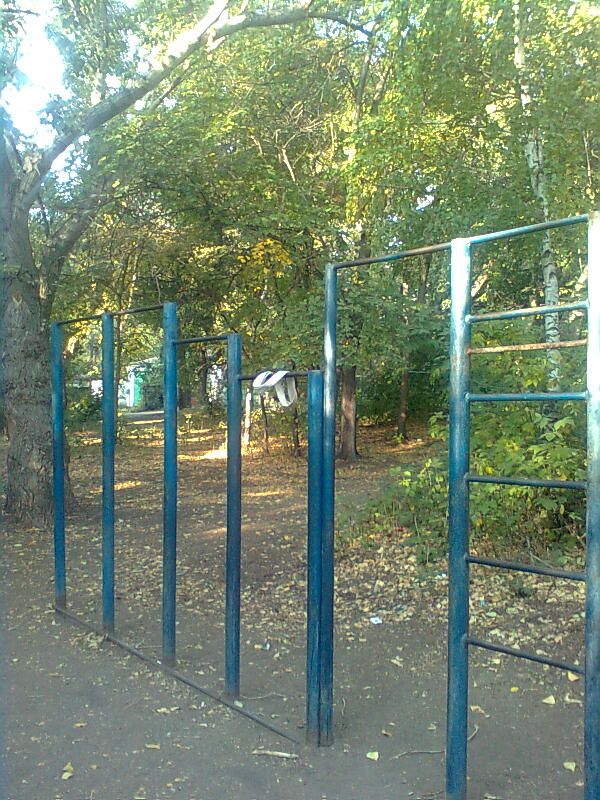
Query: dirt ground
pixel 81 720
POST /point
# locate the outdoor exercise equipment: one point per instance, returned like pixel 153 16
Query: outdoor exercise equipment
pixel 108 458
pixel 319 639
pixel 460 479
pixel 329 428
pixel 283 383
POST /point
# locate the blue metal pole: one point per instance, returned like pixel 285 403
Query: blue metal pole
pixel 592 609
pixel 169 597
pixel 234 516
pixel 328 506
pixel 315 549
pixel 458 522
pixel 108 473
pixel 58 458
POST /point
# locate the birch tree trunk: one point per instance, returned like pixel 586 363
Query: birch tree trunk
pixel 247 430
pixel 534 156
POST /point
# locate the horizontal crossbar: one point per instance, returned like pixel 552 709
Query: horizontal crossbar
pixel 139 310
pixel 511 565
pixel 532 311
pixel 120 313
pixel 173 673
pixel 535 482
pixel 73 320
pixel 525 397
pixel 540 226
pixel 416 251
pixel 200 339
pixel 522 348
pixel 511 651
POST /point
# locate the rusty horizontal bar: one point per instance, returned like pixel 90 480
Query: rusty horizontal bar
pixel 73 320
pixel 222 337
pixel 140 310
pixel 119 313
pixel 516 348
pixel 531 311
pixel 416 251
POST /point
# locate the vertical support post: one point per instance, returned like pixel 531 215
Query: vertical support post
pixel 108 473
pixel 169 596
pixel 58 459
pixel 592 607
pixel 315 549
pixel 234 516
pixel 458 521
pixel 328 506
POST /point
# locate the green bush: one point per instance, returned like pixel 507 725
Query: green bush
pixel 509 441
pixel 88 408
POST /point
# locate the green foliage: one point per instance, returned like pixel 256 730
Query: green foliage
pixel 231 185
pixel 87 408
pixel 509 441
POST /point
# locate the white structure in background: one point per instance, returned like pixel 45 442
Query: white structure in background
pixel 130 389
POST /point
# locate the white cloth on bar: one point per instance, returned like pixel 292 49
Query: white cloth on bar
pixel 283 385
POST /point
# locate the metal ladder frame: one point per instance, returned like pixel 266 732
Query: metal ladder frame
pixel 460 478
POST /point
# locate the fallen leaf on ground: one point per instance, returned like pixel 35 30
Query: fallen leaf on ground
pixel 477 708
pixel 373 755
pixel 152 746
pixel 570 765
pixel 274 754
pixel 550 700
pixel 68 771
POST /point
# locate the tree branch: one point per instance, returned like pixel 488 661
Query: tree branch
pixel 182 47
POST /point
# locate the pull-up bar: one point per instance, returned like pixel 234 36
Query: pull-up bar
pixel 482 238
pixel 108 457
pixel 121 312
pixel 234 497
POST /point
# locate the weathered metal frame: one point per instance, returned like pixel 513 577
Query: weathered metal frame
pixel 319 624
pixel 108 457
pixel 460 480
pixel 171 342
pixel 234 496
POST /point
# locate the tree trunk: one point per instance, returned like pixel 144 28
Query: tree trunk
pixel 185 397
pixel 296 447
pixel 203 380
pixel 118 358
pixel 403 405
pixel 534 156
pixel 405 378
pixel 247 430
pixel 25 371
pixel 265 421
pixel 348 449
